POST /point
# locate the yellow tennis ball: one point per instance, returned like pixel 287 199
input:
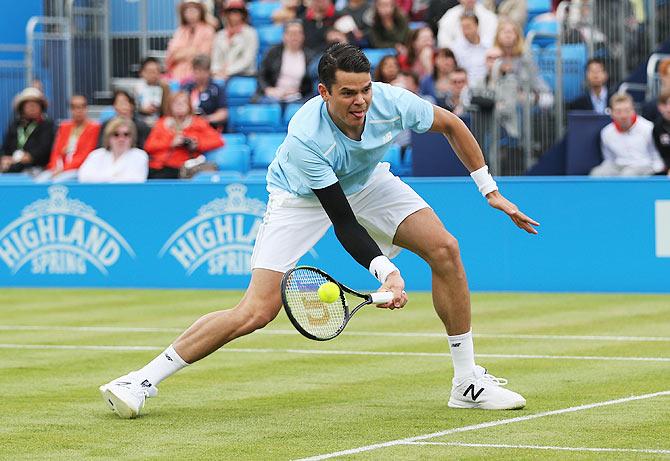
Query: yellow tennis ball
pixel 329 292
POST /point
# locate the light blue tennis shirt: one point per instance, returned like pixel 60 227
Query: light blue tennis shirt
pixel 316 154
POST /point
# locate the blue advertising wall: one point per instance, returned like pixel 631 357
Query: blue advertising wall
pixel 596 235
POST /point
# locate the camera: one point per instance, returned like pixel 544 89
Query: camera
pixel 190 144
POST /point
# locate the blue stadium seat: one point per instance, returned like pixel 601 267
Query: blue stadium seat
pixel 106 114
pixel 268 36
pixel 263 148
pixel 290 110
pixel 539 6
pixel 261 12
pixel 394 157
pixel 250 118
pixel 548 26
pixel 239 90
pixel 217 176
pixel 234 139
pixel 574 60
pixel 375 55
pixel 231 158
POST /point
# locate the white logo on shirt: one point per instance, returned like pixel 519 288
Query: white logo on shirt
pixel 388 137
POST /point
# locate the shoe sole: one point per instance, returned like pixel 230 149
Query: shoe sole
pixel 116 404
pixel 485 406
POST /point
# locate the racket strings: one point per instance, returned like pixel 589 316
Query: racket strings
pixel 315 316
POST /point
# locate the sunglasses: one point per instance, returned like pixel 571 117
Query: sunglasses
pixel 121 134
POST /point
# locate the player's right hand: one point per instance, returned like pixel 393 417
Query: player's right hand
pixel 395 284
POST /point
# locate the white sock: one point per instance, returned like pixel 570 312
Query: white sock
pixel 462 354
pixel 166 364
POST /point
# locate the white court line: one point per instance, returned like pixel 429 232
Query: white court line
pixel 338 352
pixel 409 334
pixel 476 427
pixel 542 447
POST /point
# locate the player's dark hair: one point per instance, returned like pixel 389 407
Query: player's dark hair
pixel 344 57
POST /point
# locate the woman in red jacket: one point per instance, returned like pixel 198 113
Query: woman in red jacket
pixel 75 139
pixel 178 138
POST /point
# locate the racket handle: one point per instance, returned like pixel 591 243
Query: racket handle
pixel 381 297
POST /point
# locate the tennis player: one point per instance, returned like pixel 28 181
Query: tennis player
pixel 327 171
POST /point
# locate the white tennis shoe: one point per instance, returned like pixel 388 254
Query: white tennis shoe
pixel 126 395
pixel 485 391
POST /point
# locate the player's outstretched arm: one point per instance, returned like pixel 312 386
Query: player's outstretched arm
pixel 468 151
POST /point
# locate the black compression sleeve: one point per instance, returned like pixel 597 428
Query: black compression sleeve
pixel 353 237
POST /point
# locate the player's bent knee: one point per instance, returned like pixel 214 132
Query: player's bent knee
pixel 445 252
pixel 259 314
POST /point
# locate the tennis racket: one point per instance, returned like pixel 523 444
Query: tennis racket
pixel 314 318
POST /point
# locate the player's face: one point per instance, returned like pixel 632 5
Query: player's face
pixel 350 98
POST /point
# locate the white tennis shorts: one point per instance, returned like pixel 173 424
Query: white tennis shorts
pixel 293 225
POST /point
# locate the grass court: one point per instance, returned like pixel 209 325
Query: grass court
pixel 595 371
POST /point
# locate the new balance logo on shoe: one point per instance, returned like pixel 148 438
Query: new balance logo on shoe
pixel 471 390
pixel 146 383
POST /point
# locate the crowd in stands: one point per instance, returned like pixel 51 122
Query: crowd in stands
pixel 455 53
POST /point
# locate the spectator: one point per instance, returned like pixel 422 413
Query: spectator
pixel 597 95
pixel 437 9
pixel 650 108
pixel 661 130
pixel 469 50
pixel 448 27
pixel 124 106
pixel 436 85
pixel 355 20
pixel 193 37
pixel 627 143
pixel 284 75
pixel 75 139
pixel 289 10
pixel 516 10
pixel 514 69
pixel 118 160
pixel 509 39
pixel 333 36
pixel 208 98
pixel 178 138
pixel 30 135
pixel 420 50
pixel 457 98
pixel 318 18
pixel 483 93
pixel 236 46
pixel 390 28
pixel 151 93
pixel 387 69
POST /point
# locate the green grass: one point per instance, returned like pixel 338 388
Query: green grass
pixel 284 405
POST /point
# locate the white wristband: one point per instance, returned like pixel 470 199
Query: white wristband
pixel 381 267
pixel 485 182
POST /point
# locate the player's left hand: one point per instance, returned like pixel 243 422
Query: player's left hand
pixel 496 200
